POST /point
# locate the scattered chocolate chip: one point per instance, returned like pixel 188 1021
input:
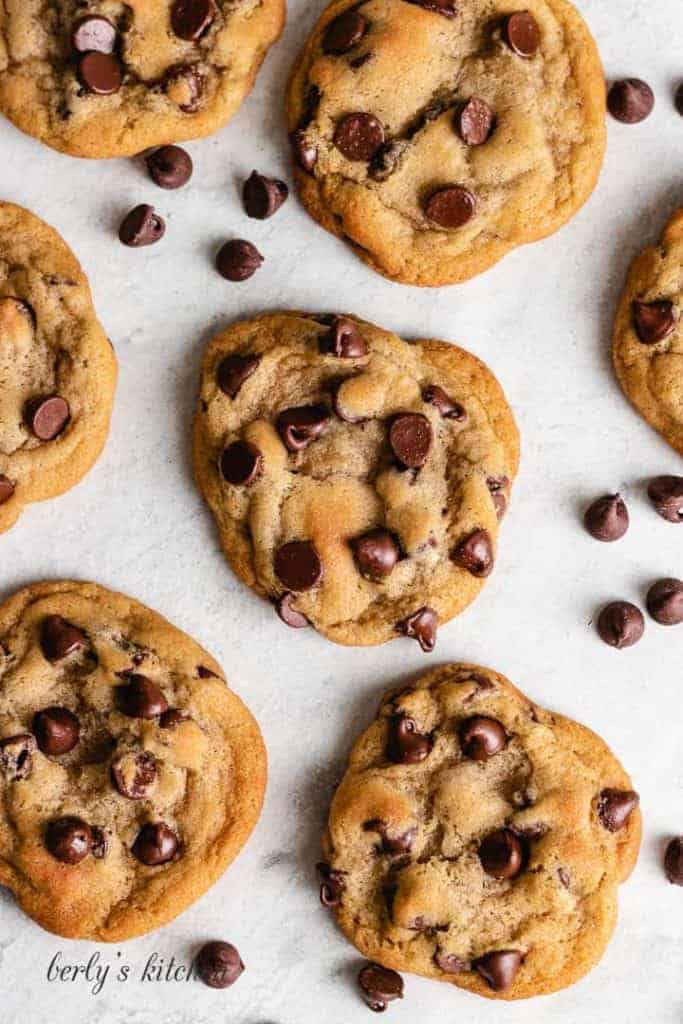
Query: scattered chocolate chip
pixel 421 626
pixel 184 85
pixel 448 8
pixel 142 226
pixel 155 844
pixel 405 745
pixel 343 340
pixel 241 463
pixel 379 986
pixel 238 260
pixel 615 807
pixel 93 33
pixel 100 73
pixel 174 717
pixel 218 964
pixel 621 624
pixel 475 553
pixel 133 775
pixel 359 136
pixel 445 406
pixel 263 196
pixel 16 756
pixel 499 969
pixel 451 207
pixel 170 167
pixel 522 34
pixel 190 19
pixel 298 427
pixel 606 519
pixel 376 553
pixel 345 32
pixel 630 100
pixel 100 843
pixel 474 121
pixel 47 417
pixel 481 738
pixel 678 99
pixel 59 638
pixel 141 698
pixel 666 494
pixel 305 152
pixel 654 321
pixel 449 963
pixel 502 854
pixel 410 437
pixel 57 730
pixel 395 845
pixel 233 371
pixel 495 486
pixel 665 602
pixel 332 887
pixel 69 839
pixel 298 566
pixel 6 489
pixel 673 861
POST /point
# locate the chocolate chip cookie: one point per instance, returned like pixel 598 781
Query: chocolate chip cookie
pixel 647 347
pixel 57 368
pixel 437 135
pixel 357 480
pixel 478 839
pixel 130 775
pixel 107 78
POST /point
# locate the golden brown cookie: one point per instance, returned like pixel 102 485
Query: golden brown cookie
pixel 357 480
pixel 130 775
pixel 57 368
pixel 113 78
pixel 478 839
pixel 437 136
pixel 647 347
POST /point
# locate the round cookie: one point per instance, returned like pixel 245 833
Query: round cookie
pixel 647 347
pixel 57 367
pixel 438 136
pixel 130 775
pixel 478 839
pixel 357 480
pixel 112 78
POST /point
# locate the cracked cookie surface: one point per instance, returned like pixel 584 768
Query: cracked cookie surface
pixel 478 839
pixel 57 368
pixel 107 78
pixel 647 347
pixel 437 137
pixel 357 480
pixel 130 775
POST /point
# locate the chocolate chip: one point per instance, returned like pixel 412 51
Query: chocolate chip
pixel 142 226
pixel 654 321
pixel 47 417
pixel 410 437
pixel 673 861
pixel 606 518
pixel 386 159
pixel 379 986
pixel 395 845
pixel 564 877
pixel 474 121
pixel 100 73
pixel 495 486
pixel 100 843
pixel 205 673
pixel 405 745
pixel 6 489
pixel 298 427
pixel 263 196
pixel 169 167
pixel 16 756
pixel 359 136
pixel 630 100
pixel 133 775
pixel 190 19
pixel 475 553
pixel 451 207
pixel 332 888
pixel 155 844
pixel 57 730
pixel 499 969
pixel 615 807
pixel 678 99
pixel 93 32
pixel 502 854
pixel 69 839
pixel 233 371
pixel 522 34
pixel 172 718
pixel 665 602
pixel 343 340
pixel 241 463
pixel 305 152
pixel 59 638
pixel 376 553
pixel 141 698
pixel 451 964
pixel 298 566
pixel 218 964
pixel 666 494
pixel 284 606
pixel 238 260
pixel 445 406
pixel 184 85
pixel 448 8
pixel 421 626
pixel 482 738
pixel 621 624
pixel 345 32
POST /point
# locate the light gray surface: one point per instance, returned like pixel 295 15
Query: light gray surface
pixel 542 321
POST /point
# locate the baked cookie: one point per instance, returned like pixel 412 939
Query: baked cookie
pixel 436 136
pixel 357 480
pixel 130 775
pixel 648 337
pixel 107 78
pixel 478 839
pixel 57 368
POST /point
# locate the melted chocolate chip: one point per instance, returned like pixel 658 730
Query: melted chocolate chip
pixel 59 638
pixel 474 121
pixel 133 775
pixel 448 8
pixel 495 486
pixel 653 321
pixel 190 19
pixel 233 371
pixel 332 887
pixel 606 519
pixel 184 85
pixel 405 745
pixel 379 986
pixel 93 32
pixel 630 100
pixel 155 844
pixel 305 152
pixel 451 207
pixel 142 226
pixel 57 730
pixel 343 340
pixel 16 756
pixel 451 964
pixel 499 969
pixel 174 717
pixel 141 698
pixel 475 553
pixel 445 406
pixel 289 614
pixel 615 807
pixel 522 34
pixel 6 489
pixel 263 196
pixel 238 260
pixel 100 73
pixel 69 839
pixel 502 854
pixel 218 964
pixel 241 463
pixel 376 553
pixel 47 417
pixel 620 624
pixel 359 136
pixel 170 167
pixel 410 437
pixel 345 32
pixel 100 843
pixel 394 845
pixel 421 626
pixel 482 738
pixel 298 566
pixel 665 602
pixel 300 426
pixel 666 494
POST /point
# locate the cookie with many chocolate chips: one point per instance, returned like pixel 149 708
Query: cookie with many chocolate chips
pixel 110 78
pixel 130 775
pixel 647 347
pixel 437 136
pixel 492 860
pixel 57 368
pixel 357 480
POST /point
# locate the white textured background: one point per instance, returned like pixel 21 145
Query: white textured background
pixel 542 321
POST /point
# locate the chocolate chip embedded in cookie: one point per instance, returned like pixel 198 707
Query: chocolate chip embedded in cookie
pixel 57 369
pixel 115 784
pixel 357 480
pixel 505 896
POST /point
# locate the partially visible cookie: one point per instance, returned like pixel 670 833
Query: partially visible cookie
pixel 111 78
pixel 57 368
pixel 647 347
pixel 435 136
pixel 478 839
pixel 130 775
pixel 357 480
